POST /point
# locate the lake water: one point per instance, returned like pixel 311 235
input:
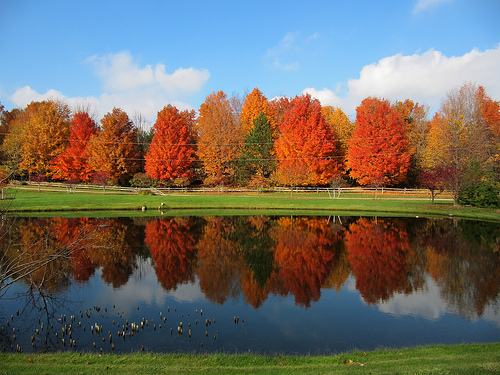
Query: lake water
pixel 269 284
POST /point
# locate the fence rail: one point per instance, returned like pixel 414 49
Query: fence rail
pixel 331 191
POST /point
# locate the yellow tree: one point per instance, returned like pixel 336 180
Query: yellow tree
pixel 114 149
pixel 341 125
pixel 219 137
pixel 459 136
pixel 38 135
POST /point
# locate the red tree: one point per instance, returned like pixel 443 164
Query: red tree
pixel 306 139
pixel 172 250
pixel 171 152
pixel 379 253
pixel 73 164
pixel 378 150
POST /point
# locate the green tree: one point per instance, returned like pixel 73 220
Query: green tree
pixel 257 160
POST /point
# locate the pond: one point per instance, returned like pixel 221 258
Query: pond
pixel 267 284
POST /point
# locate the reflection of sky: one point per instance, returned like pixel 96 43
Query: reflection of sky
pixel 145 290
pixel 339 321
pixel 428 304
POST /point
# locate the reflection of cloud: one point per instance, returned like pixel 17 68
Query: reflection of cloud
pixel 187 293
pixel 492 312
pixel 135 292
pixel 426 303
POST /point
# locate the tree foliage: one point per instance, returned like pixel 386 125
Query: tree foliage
pixel 73 163
pixel 341 125
pixel 38 135
pixel 463 133
pixel 114 149
pixel 379 153
pixel 219 137
pixel 306 146
pixel 172 149
pixel 255 104
pixel 257 160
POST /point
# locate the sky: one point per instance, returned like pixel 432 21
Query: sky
pixel 142 55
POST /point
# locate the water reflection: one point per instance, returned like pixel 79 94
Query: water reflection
pixel 424 267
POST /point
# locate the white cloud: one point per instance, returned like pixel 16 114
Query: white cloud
pixel 425 78
pixel 325 96
pixel 423 5
pixel 284 51
pixel 129 87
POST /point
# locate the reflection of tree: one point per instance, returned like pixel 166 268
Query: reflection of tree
pixel 305 256
pixel 379 252
pixel 172 250
pixel 69 231
pixel 44 252
pixel 257 247
pixel 33 254
pixel 117 257
pixel 219 264
pixel 342 268
pixel 466 267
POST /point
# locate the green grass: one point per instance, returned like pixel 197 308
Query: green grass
pixel 454 359
pixel 215 204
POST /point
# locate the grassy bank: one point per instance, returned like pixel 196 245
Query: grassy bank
pixel 455 359
pixel 278 203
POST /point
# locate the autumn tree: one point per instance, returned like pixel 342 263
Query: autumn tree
pixel 341 125
pixel 278 107
pixel 379 153
pixel 380 256
pixel 219 264
pixel 436 179
pixel 304 256
pixel 73 163
pixel 114 150
pixel 173 258
pixel 257 161
pixel 306 147
pixel 172 149
pixel 37 136
pixel 460 136
pixel 219 137
pixel 255 104
pixel 417 128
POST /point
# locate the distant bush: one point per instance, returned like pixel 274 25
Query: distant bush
pixel 482 194
pixel 142 180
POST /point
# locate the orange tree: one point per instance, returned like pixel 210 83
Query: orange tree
pixel 306 148
pixel 38 135
pixel 114 151
pixel 379 153
pixel 219 137
pixel 72 164
pixel 171 152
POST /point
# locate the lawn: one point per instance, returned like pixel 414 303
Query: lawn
pixel 277 203
pixel 454 359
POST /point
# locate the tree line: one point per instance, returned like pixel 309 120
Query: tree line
pixel 253 141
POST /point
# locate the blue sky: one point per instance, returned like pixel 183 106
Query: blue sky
pixel 142 55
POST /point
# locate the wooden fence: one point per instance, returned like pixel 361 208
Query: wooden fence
pixel 332 192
